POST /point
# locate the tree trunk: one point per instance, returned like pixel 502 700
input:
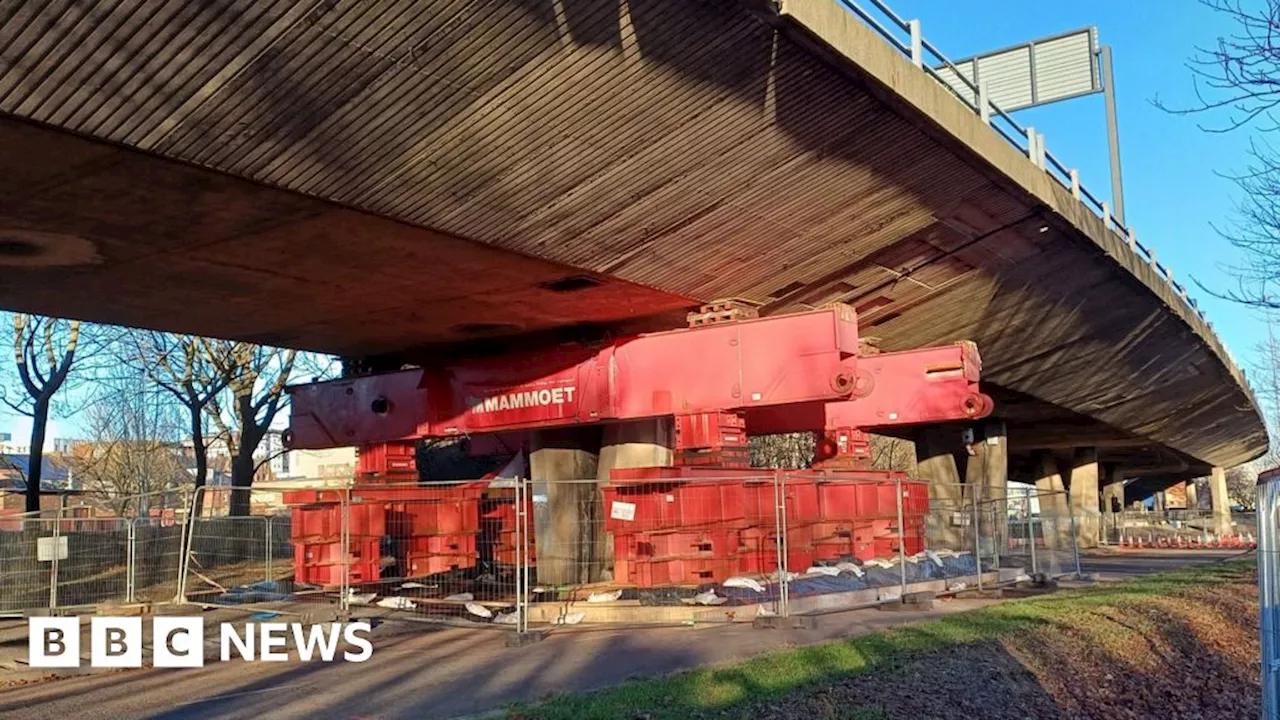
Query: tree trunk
pixel 241 477
pixel 201 453
pixel 35 455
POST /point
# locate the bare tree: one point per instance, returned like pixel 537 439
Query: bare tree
pixel 194 371
pixel 1242 486
pixel 135 430
pixel 45 352
pixel 1264 377
pixel 243 413
pixel 1237 81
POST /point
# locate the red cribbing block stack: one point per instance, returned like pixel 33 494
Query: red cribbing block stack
pixel 316 532
pixel 670 527
pixel 498 527
pixel 321 563
pixel 675 533
pixel 860 519
pixel 675 570
pixel 387 463
pixel 672 505
pixel 434 529
pixel 712 439
pixel 427 529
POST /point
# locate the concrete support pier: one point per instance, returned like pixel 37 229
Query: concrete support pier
pixel 1112 504
pixel 936 449
pixel 567 512
pixel 1084 496
pixel 987 473
pixel 1055 510
pixel 642 443
pixel 1220 501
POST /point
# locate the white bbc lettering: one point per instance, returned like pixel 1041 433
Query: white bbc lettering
pixel 307 643
pixel 349 633
pixel 53 642
pixel 243 645
pixel 270 637
pixel 177 642
pixel 115 642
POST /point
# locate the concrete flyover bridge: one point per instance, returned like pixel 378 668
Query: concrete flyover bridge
pixel 390 178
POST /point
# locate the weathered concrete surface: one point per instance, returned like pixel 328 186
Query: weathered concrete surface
pixel 1055 506
pixel 988 470
pixel 1220 501
pixel 1084 497
pixel 936 449
pixel 570 536
pixel 548 165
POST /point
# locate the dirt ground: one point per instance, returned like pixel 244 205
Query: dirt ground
pixel 1192 654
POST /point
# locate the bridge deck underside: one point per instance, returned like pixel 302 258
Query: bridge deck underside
pixel 370 178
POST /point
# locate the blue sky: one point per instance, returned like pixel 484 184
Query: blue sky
pixel 1172 191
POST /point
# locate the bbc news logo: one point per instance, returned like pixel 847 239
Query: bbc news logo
pixel 178 642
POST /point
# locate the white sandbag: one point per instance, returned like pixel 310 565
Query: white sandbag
pixel 479 610
pixel 744 582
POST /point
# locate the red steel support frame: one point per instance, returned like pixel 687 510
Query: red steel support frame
pixel 785 373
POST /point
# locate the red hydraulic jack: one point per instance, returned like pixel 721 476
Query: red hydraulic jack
pixel 728 376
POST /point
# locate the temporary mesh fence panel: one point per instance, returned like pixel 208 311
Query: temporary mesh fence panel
pixel 26 571
pixel 237 548
pixel 445 551
pixel 1040 533
pixel 96 566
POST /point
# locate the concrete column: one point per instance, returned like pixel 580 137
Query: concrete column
pixel 1084 497
pixel 1112 504
pixel 987 473
pixel 642 443
pixel 569 523
pixel 1220 501
pixel 1055 512
pixel 1193 496
pixel 936 463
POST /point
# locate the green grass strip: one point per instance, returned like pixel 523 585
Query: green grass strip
pixel 774 675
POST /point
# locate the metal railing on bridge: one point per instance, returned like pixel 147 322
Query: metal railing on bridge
pixel 906 36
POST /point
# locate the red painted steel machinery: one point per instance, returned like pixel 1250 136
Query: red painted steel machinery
pixel 728 376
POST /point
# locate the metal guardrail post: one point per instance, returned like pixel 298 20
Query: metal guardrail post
pixel 521 609
pixel 131 561
pixel 271 576
pixel 984 105
pixel 917 43
pixel 780 523
pixel 188 532
pixel 977 532
pixel 1031 528
pixel 1031 143
pixel 902 537
pixel 1075 545
pixel 53 568
pixel 1269 597
pixel 344 537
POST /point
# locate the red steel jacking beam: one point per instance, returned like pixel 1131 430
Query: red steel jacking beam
pixel 785 373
